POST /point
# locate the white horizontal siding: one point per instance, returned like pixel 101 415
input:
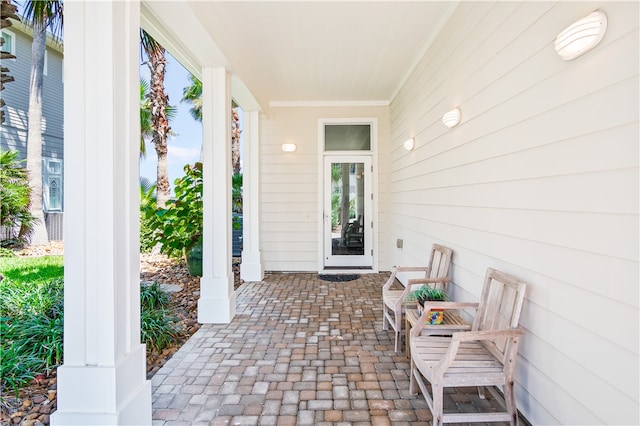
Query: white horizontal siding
pixel 540 179
pixel 289 210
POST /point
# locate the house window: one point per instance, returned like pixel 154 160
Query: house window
pixel 9 42
pixel 52 184
pixel 347 137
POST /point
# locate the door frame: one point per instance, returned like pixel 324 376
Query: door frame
pixel 373 154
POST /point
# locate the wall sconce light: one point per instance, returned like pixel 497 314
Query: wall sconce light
pixel 581 36
pixel 409 144
pixel 452 118
pixel 288 147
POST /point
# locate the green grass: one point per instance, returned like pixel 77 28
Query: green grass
pixel 31 318
pixel 28 270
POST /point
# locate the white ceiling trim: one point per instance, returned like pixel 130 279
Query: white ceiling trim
pixel 328 103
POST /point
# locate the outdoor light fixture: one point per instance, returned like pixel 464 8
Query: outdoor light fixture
pixel 289 147
pixel 452 118
pixel 409 144
pixel 581 36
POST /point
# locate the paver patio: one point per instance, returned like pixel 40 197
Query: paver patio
pixel 299 351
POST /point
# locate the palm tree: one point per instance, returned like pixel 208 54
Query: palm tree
pixel 146 122
pixel 159 101
pixel 146 125
pixel 193 95
pixel 40 15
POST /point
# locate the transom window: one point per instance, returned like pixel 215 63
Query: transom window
pixel 347 137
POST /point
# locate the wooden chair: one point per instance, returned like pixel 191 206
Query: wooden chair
pixel 435 274
pixel 484 356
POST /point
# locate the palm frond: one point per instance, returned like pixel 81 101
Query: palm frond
pixel 48 14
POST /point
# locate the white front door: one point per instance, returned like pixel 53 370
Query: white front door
pixel 348 212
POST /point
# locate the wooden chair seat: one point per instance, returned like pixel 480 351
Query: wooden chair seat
pixel 472 359
pixel 391 297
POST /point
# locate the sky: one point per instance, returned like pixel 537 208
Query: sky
pixel 185 145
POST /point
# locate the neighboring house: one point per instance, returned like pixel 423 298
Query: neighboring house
pixel 13 133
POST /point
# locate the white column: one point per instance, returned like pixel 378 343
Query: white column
pixel 103 379
pixel 251 268
pixel 217 303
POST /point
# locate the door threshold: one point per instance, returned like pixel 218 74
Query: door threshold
pixel 346 269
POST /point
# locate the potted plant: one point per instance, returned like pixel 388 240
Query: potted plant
pixel 426 293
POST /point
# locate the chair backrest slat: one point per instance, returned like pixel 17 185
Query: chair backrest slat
pixel 439 262
pixel 500 307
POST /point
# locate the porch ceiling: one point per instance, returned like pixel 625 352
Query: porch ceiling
pixel 316 51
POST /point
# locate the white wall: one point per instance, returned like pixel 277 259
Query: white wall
pixel 289 210
pixel 540 180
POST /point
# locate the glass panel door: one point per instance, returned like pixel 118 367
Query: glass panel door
pixel 347 212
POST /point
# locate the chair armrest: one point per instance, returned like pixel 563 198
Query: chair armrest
pixel 466 336
pixel 396 269
pixel 411 268
pixel 413 281
pixel 422 321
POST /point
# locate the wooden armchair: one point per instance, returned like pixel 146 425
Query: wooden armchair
pixel 484 356
pixel 436 274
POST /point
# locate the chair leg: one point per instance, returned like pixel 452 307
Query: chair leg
pixel 438 404
pixel 412 380
pixel 510 402
pixel 398 319
pixel 385 321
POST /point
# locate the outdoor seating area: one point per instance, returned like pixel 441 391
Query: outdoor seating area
pixel 298 351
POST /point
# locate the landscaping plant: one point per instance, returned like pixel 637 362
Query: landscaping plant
pixel 31 318
pixel 14 200
pixel 178 227
pixel 147 215
pixel 158 328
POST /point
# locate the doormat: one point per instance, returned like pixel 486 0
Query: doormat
pixel 338 278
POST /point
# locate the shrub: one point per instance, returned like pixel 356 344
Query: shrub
pixel 5 252
pixel 17 366
pixel 31 328
pixel 147 213
pixel 31 318
pixel 179 226
pixel 14 193
pixel 153 297
pixel 158 328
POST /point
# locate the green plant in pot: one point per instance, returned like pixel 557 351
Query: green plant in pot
pixel 426 293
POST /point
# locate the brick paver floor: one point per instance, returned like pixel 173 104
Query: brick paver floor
pixel 300 351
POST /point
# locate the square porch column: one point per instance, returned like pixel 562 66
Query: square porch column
pixel 217 303
pixel 251 268
pixel 103 378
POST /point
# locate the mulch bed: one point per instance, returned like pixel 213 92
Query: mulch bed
pixel 37 401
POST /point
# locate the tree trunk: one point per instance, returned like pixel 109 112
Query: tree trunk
pixel 159 102
pixel 235 141
pixel 34 134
